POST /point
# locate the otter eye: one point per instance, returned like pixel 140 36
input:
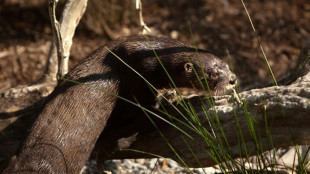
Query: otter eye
pixel 212 75
pixel 188 67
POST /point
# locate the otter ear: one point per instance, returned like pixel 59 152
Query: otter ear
pixel 188 67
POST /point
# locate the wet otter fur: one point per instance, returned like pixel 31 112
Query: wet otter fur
pixel 75 115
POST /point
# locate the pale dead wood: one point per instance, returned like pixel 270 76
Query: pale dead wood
pixel 145 28
pixel 62 69
pixel 72 14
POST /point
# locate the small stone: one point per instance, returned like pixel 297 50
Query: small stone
pixel 141 161
pixel 167 170
pixel 141 166
pixel 129 171
pixel 119 168
pixel 212 170
pixel 161 172
pixel 174 34
pixel 198 171
pixel 151 164
pixel 128 164
pixel 172 164
pixel 147 171
pixel 136 171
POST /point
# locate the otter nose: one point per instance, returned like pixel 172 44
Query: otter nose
pixel 232 79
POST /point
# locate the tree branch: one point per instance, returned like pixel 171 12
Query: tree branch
pixel 285 109
pixel 62 69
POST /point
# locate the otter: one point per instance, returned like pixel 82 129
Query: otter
pixel 66 131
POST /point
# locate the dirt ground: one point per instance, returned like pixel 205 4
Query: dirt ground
pixel 220 26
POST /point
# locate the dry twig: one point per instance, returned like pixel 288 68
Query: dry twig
pixel 145 28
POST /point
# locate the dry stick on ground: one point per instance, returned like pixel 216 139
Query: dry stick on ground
pixel 285 108
pixel 72 13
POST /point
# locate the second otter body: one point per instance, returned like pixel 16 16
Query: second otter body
pixel 65 133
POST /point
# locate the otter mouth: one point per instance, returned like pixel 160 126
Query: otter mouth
pixel 226 89
pixel 185 93
pixel 222 85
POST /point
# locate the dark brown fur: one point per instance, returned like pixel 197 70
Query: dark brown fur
pixel 65 133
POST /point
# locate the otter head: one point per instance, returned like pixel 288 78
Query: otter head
pixel 209 70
